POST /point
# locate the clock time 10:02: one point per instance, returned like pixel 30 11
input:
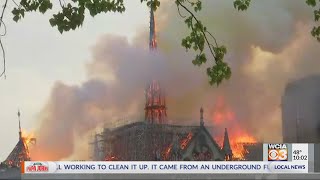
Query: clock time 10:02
pixel 298 156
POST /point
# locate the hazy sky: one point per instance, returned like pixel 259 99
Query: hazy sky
pixel 38 55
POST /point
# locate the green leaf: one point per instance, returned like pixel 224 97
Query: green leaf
pixel 22 12
pixel 312 3
pixel 219 72
pixel 241 5
pixel 60 29
pixel 52 22
pixel 316 15
pixel 315 31
pixel 198 6
pixel 16 18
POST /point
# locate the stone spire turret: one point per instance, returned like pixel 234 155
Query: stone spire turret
pixel 201 117
pixel 226 146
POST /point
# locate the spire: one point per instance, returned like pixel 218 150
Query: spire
pixel 155 107
pixel 20 131
pixel 201 117
pixel 152 38
pixel 226 146
pixel 21 151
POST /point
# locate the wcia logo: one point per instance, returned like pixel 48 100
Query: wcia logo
pixel 277 152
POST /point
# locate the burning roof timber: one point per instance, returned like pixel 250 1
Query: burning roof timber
pixel 150 141
pixel 21 151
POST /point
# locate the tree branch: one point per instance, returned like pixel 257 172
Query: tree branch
pixel 16 3
pixel 198 39
pixel 180 13
pixel 1 44
pixel 4 8
pixel 4 59
pixel 204 34
pixel 61 4
pixel 215 40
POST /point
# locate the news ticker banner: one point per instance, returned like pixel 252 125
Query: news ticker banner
pixel 277 158
pixel 163 167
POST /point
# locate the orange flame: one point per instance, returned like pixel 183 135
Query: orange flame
pixel 186 141
pixel 237 142
pixel 222 113
pixel 167 152
pixel 111 158
pixel 27 140
pixel 183 144
pixel 224 117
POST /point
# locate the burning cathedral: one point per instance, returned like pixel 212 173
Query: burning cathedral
pixel 154 139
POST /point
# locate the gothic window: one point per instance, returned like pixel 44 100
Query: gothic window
pixel 203 155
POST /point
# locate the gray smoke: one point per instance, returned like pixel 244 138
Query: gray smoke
pixel 267 46
pixel 117 77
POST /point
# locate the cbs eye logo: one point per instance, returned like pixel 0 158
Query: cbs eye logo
pixel 276 153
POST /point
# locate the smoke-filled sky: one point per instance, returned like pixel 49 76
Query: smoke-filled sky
pixel 69 85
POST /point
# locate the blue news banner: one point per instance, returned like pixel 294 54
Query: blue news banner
pixel 277 158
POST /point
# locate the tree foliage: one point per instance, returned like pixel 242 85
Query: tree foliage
pixel 241 5
pixel 72 13
pixel 198 38
pixel 315 32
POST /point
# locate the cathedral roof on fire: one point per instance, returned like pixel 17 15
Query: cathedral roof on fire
pixel 199 145
pixel 177 141
pixel 200 136
pixel 19 153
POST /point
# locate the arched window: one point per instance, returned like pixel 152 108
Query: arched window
pixel 203 154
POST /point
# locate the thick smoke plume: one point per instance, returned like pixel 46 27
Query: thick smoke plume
pixel 268 46
pixel 118 75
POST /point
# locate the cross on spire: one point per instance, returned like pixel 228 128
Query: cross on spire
pixel 20 131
